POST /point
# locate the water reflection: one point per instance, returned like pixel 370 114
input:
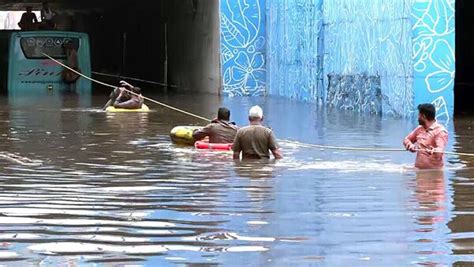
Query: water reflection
pixel 461 226
pixel 431 197
pixel 258 169
pixel 113 190
pixel 126 123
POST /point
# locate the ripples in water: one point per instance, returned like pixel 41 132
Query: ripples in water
pixel 113 190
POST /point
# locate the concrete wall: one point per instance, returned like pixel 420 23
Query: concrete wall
pixel 193 45
pixel 129 40
pixel 243 47
pixel 294 65
pixel 384 56
pixel 433 40
pixel 373 38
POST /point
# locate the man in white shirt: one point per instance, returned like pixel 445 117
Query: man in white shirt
pixel 47 16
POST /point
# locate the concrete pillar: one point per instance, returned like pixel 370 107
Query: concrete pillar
pixel 194 45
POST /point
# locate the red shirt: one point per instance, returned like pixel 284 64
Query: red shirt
pixel 436 136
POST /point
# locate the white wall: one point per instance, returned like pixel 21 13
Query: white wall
pixel 9 19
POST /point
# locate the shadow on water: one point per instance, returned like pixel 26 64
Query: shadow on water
pixel 113 190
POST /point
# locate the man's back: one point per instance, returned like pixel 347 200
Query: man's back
pixel 129 102
pixel 28 17
pixel 27 21
pixel 255 142
pixel 218 132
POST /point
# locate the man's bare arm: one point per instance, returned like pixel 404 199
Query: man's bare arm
pixel 236 155
pixel 277 153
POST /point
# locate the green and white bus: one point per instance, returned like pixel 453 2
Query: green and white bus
pixel 25 69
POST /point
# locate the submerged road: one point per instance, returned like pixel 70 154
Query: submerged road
pixel 111 189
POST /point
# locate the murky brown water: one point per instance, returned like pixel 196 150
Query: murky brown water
pixel 112 190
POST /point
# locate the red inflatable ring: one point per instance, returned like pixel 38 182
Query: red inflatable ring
pixel 213 146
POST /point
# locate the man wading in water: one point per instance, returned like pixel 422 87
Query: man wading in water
pixel 255 141
pixel 220 130
pixel 428 140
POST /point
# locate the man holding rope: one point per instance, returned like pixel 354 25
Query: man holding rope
pixel 409 142
pixel 122 98
pixel 220 130
pixel 428 140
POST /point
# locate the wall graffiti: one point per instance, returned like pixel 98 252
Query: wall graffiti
pixel 363 36
pixel 243 47
pixel 294 50
pixel 433 54
pixel 291 48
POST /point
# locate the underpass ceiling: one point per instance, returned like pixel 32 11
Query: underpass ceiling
pixel 70 5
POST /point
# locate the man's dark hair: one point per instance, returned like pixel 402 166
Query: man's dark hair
pixel 136 90
pixel 428 110
pixel 68 44
pixel 223 114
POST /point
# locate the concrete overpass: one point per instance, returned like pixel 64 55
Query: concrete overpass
pixel 166 41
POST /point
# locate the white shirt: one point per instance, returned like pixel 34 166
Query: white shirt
pixel 47 13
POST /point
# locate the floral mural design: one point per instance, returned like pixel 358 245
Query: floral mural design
pixel 243 47
pixel 443 59
pixel 247 73
pixel 433 54
pixel 409 44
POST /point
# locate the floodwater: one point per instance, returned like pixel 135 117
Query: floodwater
pixel 110 189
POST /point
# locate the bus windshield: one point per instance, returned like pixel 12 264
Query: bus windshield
pixel 34 47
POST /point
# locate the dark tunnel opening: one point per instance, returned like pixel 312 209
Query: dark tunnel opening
pixel 464 80
pixel 171 42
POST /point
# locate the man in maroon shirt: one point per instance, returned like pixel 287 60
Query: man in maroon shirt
pixel 428 140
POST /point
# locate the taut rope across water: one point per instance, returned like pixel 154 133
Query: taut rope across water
pixel 19 160
pixel 112 86
pixel 370 149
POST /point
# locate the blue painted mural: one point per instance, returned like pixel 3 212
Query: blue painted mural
pixel 433 54
pixel 243 47
pixel 294 49
pixel 396 53
pixel 373 39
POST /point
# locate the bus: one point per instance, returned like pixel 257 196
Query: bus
pixel 24 68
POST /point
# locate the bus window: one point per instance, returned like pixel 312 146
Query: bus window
pixel 34 47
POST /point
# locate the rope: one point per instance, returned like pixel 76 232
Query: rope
pixel 133 79
pixel 114 87
pixel 345 147
pixel 458 154
pixel 19 160
pixel 374 149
